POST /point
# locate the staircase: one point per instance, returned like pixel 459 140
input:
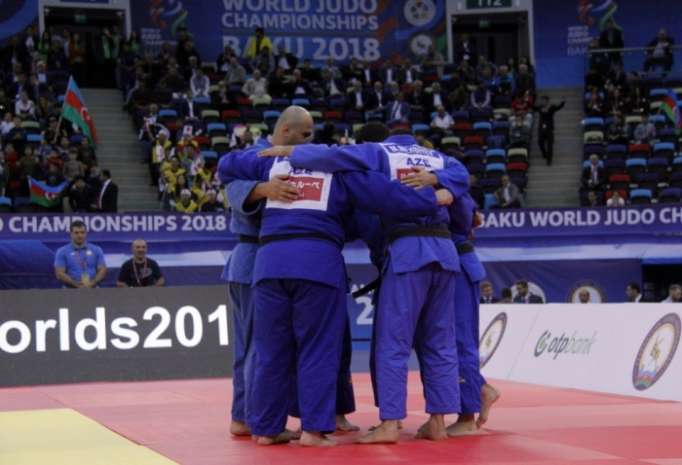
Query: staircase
pixel 119 151
pixel 557 185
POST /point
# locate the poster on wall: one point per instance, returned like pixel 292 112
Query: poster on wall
pixel 314 29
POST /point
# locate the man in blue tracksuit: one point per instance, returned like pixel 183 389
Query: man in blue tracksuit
pixel 300 284
pixel 418 282
pixel 477 396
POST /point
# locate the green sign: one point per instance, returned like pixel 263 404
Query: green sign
pixel 477 4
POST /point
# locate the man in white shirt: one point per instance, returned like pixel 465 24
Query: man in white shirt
pixel 633 293
pixel 356 98
pixel 256 89
pixel 24 107
pixel 616 200
pixel 442 120
pixel 674 294
pixel 200 84
pixel 7 124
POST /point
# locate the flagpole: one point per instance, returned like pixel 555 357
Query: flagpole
pixel 59 123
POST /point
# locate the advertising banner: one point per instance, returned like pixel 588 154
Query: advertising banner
pixel 81 335
pixel 315 29
pixel 629 349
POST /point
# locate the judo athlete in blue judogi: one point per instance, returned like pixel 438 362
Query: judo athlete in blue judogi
pixel 418 282
pixel 477 396
pixel 300 285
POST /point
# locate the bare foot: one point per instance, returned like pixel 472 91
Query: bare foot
pixel 433 429
pixel 386 433
pixel 281 438
pixel 315 439
pixel 345 426
pixel 489 395
pixel 239 428
pixel 292 435
pixel 465 424
pixel 400 426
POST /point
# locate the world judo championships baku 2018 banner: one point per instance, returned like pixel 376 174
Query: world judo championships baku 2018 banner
pixel 315 29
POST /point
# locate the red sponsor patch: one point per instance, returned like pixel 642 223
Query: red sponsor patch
pixel 309 188
pixel 402 172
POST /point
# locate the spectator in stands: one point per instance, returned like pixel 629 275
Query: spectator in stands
pixel 436 99
pixel 79 264
pixel 277 87
pixel 442 121
pixel 7 124
pixel 595 107
pixel 160 152
pixel 612 38
pixel 398 111
pixel 107 198
pixel 186 203
pixel 256 89
pixel 140 270
pixel 616 200
pixel 308 72
pixel 210 203
pixel 524 81
pixel 236 73
pixel 524 296
pixel 257 43
pixel 674 294
pixel 224 59
pixel 584 296
pixel 508 195
pixel 617 133
pixel 504 81
pixel 644 132
pixel 458 98
pixel 331 86
pixel 264 61
pixel 506 296
pixel 25 108
pixel 522 106
pixel 434 59
pixel 593 199
pixel 417 97
pixel 481 98
pixel 546 127
pixel 299 88
pixel 284 59
pixel 80 196
pixel 377 98
pixel 174 82
pixel 633 293
pixel 466 51
pixel 356 97
pixel 487 296
pixel 77 57
pixel 199 84
pixel 593 175
pixel 661 52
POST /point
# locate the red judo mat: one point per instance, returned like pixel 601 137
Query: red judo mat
pixel 187 421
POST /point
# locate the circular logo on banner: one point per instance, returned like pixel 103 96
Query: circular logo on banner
pixel 492 336
pixel 420 44
pixel 419 12
pixel 656 352
pixel 533 288
pixel 597 294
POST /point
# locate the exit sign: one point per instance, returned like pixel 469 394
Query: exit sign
pixel 476 4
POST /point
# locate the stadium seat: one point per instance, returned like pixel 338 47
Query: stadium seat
pixel 490 201
pixel 5 205
pixel 220 144
pixel 204 142
pixel 639 151
pixel 253 115
pixel 342 129
pixel 517 154
pixel 502 113
pixel 483 128
pixel 421 128
pixel 262 127
pixel 677 164
pixel 635 166
pixel 31 127
pixel 462 128
pixel 501 128
pixel 593 124
pixel 168 116
pixel 317 116
pixel 474 153
pixel 658 120
pixel 497 141
pixel 667 135
pixel 657 94
pixel 670 195
pixel 337 103
pixel 333 115
pixel 593 136
pixel 633 120
pixel 216 129
pixel 517 167
pixel 658 165
pixel 23 205
pixel 231 116
pixel 649 181
pixel 589 149
pixel 475 166
pixel 34 139
pixel 210 116
pixel 473 141
pixel 619 181
pixel 480 115
pixel 664 149
pixel 301 102
pixel 615 151
pixel 354 117
pixel 676 179
pixel 270 117
pixel 640 196
pixel 614 167
pixel 460 116
pixel 654 106
pixel 495 170
pixel 280 103
pixel 450 141
pixel 587 163
pixel 495 156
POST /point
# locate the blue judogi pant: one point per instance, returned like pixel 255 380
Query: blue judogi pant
pixel 415 309
pixel 298 337
pixel 242 376
pixel 467 300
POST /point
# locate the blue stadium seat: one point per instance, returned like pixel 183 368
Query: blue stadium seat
pixel 658 94
pixel 461 115
pixel 483 128
pixel 204 100
pixel 474 153
pixel 34 138
pixel 677 163
pixel 489 202
pixel 216 129
pixel 280 103
pixel 420 128
pixel 208 155
pixel 670 195
pixel 75 139
pixel 6 201
pixel 593 124
pixel 495 169
pixel 495 156
pixel 640 196
pixel 635 166
pixel 501 127
pixel 658 165
pixel 301 102
pixel 586 164
pixel 616 151
pixel 168 113
pixel 667 134
pixel 657 120
pixel 664 149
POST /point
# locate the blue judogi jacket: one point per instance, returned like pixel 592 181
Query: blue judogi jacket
pixel 461 224
pixel 245 220
pixel 394 158
pixel 326 204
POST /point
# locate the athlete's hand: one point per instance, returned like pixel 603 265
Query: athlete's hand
pixel 478 220
pixel 444 198
pixel 279 189
pixel 419 178
pixel 277 151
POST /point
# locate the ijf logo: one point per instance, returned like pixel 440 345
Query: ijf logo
pixel 419 12
pixel 596 293
pixel 656 352
pixel 492 336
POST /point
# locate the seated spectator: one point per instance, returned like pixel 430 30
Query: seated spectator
pixel 160 152
pixel 584 296
pixel 186 203
pixel 330 85
pixel 7 124
pixel 285 60
pixel 661 52
pixel 236 73
pixel 73 168
pixel 434 59
pixel 417 97
pixel 633 293
pixel 277 85
pixel 174 82
pixel 442 121
pixel 264 61
pixel 519 132
pixel 223 60
pixel 508 195
pixel 593 199
pixel 377 98
pixel 674 295
pixel 481 98
pixel 644 132
pixel 594 176
pixel 504 81
pixel 140 270
pixel 299 88
pixel 210 203
pixel 594 106
pixel 256 89
pixel 487 296
pixel 617 133
pixel 25 108
pixel 505 296
pixel 458 98
pixel 616 200
pixel 398 110
pixel 522 106
pixel 308 72
pixel 199 84
pixel 524 81
pixel 356 98
pixel 524 296
pixel 436 99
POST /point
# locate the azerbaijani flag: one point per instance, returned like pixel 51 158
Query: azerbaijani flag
pixel 670 106
pixel 44 195
pixel 74 110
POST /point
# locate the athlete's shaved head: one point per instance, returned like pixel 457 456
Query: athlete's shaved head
pixel 294 126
